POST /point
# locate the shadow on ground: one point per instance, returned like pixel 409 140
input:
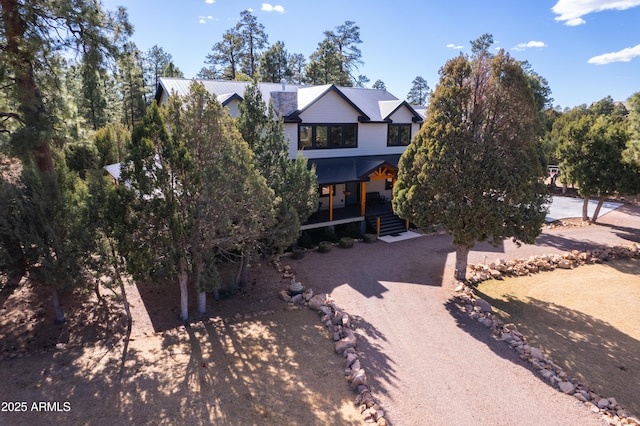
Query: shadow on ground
pixel 249 372
pixel 587 348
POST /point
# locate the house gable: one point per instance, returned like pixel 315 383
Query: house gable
pixel 326 104
pixel 330 107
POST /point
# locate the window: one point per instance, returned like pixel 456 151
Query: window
pixel 326 190
pixel 399 135
pixel 388 184
pixel 321 136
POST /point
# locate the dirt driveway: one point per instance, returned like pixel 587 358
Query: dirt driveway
pixel 428 364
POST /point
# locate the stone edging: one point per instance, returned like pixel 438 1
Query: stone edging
pixel 480 310
pixel 338 323
pixel 569 260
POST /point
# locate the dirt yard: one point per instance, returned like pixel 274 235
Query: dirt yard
pixel 250 362
pixel 586 320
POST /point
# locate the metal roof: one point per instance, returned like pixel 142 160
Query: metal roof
pixel 372 104
pixel 350 169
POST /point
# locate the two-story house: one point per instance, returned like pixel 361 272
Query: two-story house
pixel 353 136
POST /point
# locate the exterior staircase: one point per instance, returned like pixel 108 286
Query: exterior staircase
pixel 390 224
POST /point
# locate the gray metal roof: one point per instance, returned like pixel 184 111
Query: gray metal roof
pixel 350 169
pixel 374 104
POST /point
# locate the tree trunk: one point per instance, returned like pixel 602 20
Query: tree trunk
pixel 585 209
pixel 57 309
pixel 96 289
pixel 598 207
pixel 462 254
pixel 125 303
pixel 202 302
pixel 183 280
pixel 197 272
pixel 241 276
pixel 31 102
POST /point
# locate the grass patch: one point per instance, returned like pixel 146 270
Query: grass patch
pixel 587 320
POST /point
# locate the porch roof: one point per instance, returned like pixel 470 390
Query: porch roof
pixel 350 169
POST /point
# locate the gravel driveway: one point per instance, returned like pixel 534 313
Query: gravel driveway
pixel 426 363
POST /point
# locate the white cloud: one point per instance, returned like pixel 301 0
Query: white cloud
pixel 624 55
pixel 454 46
pixel 203 19
pixel 572 11
pixel 210 1
pixel 266 7
pixel 532 43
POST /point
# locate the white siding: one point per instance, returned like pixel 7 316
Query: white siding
pixel 233 108
pixel 372 137
pixel 402 115
pixel 378 186
pixel 330 109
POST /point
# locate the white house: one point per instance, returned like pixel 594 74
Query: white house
pixel 353 136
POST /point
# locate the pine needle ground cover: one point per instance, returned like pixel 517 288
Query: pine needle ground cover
pixel 586 320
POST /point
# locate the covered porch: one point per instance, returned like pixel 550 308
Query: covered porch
pixel 353 190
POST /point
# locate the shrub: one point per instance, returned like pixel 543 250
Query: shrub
pixel 325 246
pixel 305 240
pixel 346 242
pixel 329 235
pixel 298 253
pixel 370 238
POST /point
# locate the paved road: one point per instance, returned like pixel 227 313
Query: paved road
pixel 429 365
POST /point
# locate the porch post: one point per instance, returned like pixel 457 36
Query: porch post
pixel 330 203
pixel 363 197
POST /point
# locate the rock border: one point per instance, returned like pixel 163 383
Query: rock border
pixel 534 264
pixel 340 328
pixel 480 310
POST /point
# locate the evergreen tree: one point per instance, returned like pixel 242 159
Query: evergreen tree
pixel 253 39
pixel 226 56
pixel 379 85
pixel 362 80
pixel 158 63
pixel 132 85
pixel 274 64
pixel 34 37
pixel 474 165
pixel 326 66
pixel 111 143
pixel 591 146
pixel 346 38
pixel 195 192
pixel 297 64
pixel 419 92
pixel 632 151
pixel 292 182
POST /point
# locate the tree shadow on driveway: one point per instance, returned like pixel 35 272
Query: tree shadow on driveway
pixel 587 348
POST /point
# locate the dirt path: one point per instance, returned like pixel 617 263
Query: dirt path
pixel 428 364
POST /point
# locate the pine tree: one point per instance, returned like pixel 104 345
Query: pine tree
pixel 34 36
pixel 419 92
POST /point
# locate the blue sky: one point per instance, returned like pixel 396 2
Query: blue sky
pixel 586 49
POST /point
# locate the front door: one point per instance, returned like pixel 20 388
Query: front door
pixel 352 195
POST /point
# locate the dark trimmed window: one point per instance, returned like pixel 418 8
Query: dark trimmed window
pixel 399 135
pixel 321 136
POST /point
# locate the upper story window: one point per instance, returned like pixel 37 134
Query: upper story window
pixel 320 136
pixel 399 135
